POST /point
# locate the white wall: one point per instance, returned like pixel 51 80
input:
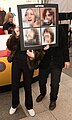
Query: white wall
pixel 64 5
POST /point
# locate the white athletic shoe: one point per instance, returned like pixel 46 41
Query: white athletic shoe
pixel 12 111
pixel 31 112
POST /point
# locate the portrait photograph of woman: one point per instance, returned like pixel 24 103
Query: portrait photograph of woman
pixel 30 17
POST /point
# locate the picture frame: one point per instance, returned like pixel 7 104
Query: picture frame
pixel 38 25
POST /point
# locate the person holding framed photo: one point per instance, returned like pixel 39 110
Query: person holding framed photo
pixel 55 59
pixel 19 66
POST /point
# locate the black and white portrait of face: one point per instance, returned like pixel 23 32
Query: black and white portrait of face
pixel 32 36
pixel 48 35
pixel 48 16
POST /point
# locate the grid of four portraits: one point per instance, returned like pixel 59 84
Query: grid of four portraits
pixel 38 25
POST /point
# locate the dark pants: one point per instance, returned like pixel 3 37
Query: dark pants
pixel 55 79
pixel 19 67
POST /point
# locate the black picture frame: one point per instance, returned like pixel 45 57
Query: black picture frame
pixel 27 28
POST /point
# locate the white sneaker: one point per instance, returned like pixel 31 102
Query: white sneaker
pixel 31 112
pixel 12 111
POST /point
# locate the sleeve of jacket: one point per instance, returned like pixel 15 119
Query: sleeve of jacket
pixel 12 42
pixel 64 37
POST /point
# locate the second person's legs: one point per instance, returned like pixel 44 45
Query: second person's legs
pixel 42 77
pixel 55 80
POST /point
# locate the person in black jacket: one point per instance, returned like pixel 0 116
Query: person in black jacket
pixel 19 66
pixel 8 25
pixel 54 60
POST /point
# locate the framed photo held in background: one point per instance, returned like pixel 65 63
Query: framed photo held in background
pixel 38 25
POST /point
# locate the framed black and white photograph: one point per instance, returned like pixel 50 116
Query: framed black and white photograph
pixel 38 25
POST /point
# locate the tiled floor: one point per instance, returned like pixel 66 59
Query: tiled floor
pixel 63 110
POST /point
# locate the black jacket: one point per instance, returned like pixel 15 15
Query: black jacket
pixel 13 44
pixel 60 53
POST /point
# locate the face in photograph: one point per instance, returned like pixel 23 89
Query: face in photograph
pixel 31 17
pixel 48 35
pixel 48 17
pixel 31 37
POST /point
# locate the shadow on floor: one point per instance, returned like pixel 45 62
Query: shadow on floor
pixel 5 104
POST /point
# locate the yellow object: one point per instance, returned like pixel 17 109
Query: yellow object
pixel 5 75
pixel 36 72
pixel 5 72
